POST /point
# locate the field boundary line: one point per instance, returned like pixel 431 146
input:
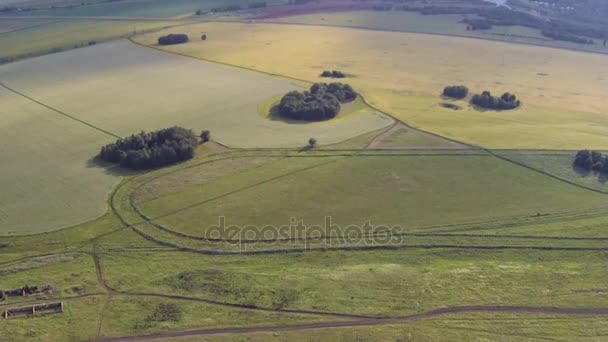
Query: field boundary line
pixel 564 311
pixel 59 112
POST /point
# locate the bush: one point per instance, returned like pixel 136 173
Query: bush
pixel 173 38
pixel 147 150
pixel 312 142
pixel 205 136
pixel 486 100
pixel 322 102
pixel 457 92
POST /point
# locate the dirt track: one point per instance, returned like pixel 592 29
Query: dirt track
pixel 369 321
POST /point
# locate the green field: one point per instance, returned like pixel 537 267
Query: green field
pixel 55 36
pixel 406 191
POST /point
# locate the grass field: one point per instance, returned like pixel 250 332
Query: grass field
pixel 377 283
pixel 559 164
pixel 409 192
pixel 500 328
pixel 404 74
pixel 437 24
pixel 57 36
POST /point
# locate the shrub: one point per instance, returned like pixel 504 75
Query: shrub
pixel 147 150
pixel 322 102
pixel 457 92
pixel 312 142
pixel 173 38
pixel 205 136
pixel 504 102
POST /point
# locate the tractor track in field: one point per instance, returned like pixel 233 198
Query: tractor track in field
pixel 369 321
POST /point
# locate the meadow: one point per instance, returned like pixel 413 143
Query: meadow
pixel 404 73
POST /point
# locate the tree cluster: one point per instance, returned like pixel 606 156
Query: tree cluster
pixel 260 4
pixel 147 150
pixel 504 102
pixel 457 91
pixel 333 74
pixel 173 38
pixel 589 160
pixel 560 35
pixel 322 102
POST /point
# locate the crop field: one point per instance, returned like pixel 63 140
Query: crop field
pixel 449 24
pixel 162 90
pixel 48 180
pixel 404 73
pixel 57 36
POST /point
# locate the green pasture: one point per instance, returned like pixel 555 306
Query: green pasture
pixel 407 191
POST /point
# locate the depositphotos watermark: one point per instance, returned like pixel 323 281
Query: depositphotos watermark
pixel 298 232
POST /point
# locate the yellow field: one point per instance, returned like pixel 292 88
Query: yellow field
pixel 403 73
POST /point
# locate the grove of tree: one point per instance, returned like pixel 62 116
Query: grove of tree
pixel 504 102
pixel 457 91
pixel 154 149
pixel 322 102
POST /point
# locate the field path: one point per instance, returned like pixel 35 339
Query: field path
pixel 370 322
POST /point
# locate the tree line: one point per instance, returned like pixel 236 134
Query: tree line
pixel 154 149
pixel 173 38
pixel 589 160
pixel 321 102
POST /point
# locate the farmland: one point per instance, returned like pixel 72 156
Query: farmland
pixel 414 216
pixel 404 191
pixel 39 37
pixel 403 73
pixel 450 24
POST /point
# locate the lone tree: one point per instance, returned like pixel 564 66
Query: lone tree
pixel 312 142
pixel 205 136
pixel 204 37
